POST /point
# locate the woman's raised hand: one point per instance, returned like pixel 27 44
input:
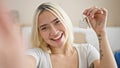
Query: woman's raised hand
pixel 11 40
pixel 97 18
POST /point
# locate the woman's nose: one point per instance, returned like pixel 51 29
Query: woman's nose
pixel 53 30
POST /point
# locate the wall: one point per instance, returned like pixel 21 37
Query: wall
pixel 74 9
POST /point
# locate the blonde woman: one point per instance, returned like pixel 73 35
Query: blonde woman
pixel 52 39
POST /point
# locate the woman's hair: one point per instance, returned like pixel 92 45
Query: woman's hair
pixel 36 39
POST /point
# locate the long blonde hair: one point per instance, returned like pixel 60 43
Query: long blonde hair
pixel 36 39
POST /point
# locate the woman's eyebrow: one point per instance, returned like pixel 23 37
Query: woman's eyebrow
pixel 43 25
pixel 54 20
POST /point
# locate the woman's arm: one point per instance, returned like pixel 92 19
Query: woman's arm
pixel 31 62
pixel 97 18
pixel 12 46
pixel 106 56
pixel 11 42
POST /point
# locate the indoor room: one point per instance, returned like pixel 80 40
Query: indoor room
pixel 23 13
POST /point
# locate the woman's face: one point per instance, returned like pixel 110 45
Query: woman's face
pixel 52 29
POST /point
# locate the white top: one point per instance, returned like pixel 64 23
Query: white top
pixel 86 53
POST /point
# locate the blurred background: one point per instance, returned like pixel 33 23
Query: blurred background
pixel 23 11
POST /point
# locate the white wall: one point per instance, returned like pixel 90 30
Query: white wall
pixel 114 37
pixel 73 8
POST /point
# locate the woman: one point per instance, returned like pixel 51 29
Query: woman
pixel 52 38
pixel 53 41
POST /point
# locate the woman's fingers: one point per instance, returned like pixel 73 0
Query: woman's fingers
pixel 7 25
pixel 104 11
pixel 93 11
pixel 89 10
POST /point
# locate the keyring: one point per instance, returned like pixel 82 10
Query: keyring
pixel 85 20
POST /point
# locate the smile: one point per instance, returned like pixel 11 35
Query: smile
pixel 58 37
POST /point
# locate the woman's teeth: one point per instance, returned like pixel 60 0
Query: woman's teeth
pixel 57 38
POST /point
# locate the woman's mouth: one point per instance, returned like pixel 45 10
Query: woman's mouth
pixel 58 37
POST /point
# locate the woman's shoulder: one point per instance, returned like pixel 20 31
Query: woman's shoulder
pixel 84 47
pixel 35 51
pixel 87 51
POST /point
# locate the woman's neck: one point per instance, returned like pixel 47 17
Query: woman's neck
pixel 66 51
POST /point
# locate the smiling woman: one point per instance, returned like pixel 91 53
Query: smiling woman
pixel 52 39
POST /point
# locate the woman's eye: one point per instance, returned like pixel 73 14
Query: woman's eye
pixel 57 22
pixel 44 28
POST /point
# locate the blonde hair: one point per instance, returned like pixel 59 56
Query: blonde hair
pixel 36 39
